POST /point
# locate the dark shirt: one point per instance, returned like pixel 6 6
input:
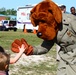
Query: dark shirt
pixel 74 14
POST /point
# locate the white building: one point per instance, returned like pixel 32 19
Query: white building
pixel 23 17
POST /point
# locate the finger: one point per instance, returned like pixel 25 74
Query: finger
pixel 24 41
pixel 14 45
pixel 30 50
pixel 18 42
pixel 16 50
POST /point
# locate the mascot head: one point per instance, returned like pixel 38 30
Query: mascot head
pixel 48 16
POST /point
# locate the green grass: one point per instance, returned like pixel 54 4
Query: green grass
pixel 47 67
pixel 6 38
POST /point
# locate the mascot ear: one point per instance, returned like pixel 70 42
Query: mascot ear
pixel 33 10
pixel 56 12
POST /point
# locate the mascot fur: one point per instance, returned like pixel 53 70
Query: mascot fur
pixel 48 16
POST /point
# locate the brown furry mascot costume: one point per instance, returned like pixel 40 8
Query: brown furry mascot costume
pixel 48 16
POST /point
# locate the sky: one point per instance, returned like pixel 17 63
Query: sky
pixel 9 4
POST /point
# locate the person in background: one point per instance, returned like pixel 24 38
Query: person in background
pixel 72 10
pixel 5 60
pixel 63 8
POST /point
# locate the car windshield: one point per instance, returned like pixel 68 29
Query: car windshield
pixel 12 23
pixel 5 21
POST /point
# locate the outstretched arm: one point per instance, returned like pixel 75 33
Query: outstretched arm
pixel 43 48
pixel 34 50
pixel 17 57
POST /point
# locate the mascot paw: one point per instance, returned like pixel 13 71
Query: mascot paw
pixel 14 46
pixel 17 43
pixel 29 48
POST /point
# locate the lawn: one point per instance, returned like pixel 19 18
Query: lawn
pixel 29 65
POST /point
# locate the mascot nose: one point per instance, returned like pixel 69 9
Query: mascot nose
pixel 39 34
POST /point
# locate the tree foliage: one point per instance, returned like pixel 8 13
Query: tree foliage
pixel 5 11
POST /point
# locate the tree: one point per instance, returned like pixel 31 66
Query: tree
pixel 3 11
pixel 8 11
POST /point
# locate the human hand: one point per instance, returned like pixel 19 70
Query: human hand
pixel 22 48
pixel 29 48
pixel 22 44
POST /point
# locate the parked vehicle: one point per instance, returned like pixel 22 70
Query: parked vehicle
pixel 9 25
pixel 2 27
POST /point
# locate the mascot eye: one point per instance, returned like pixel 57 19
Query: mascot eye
pixel 50 11
pixel 43 21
